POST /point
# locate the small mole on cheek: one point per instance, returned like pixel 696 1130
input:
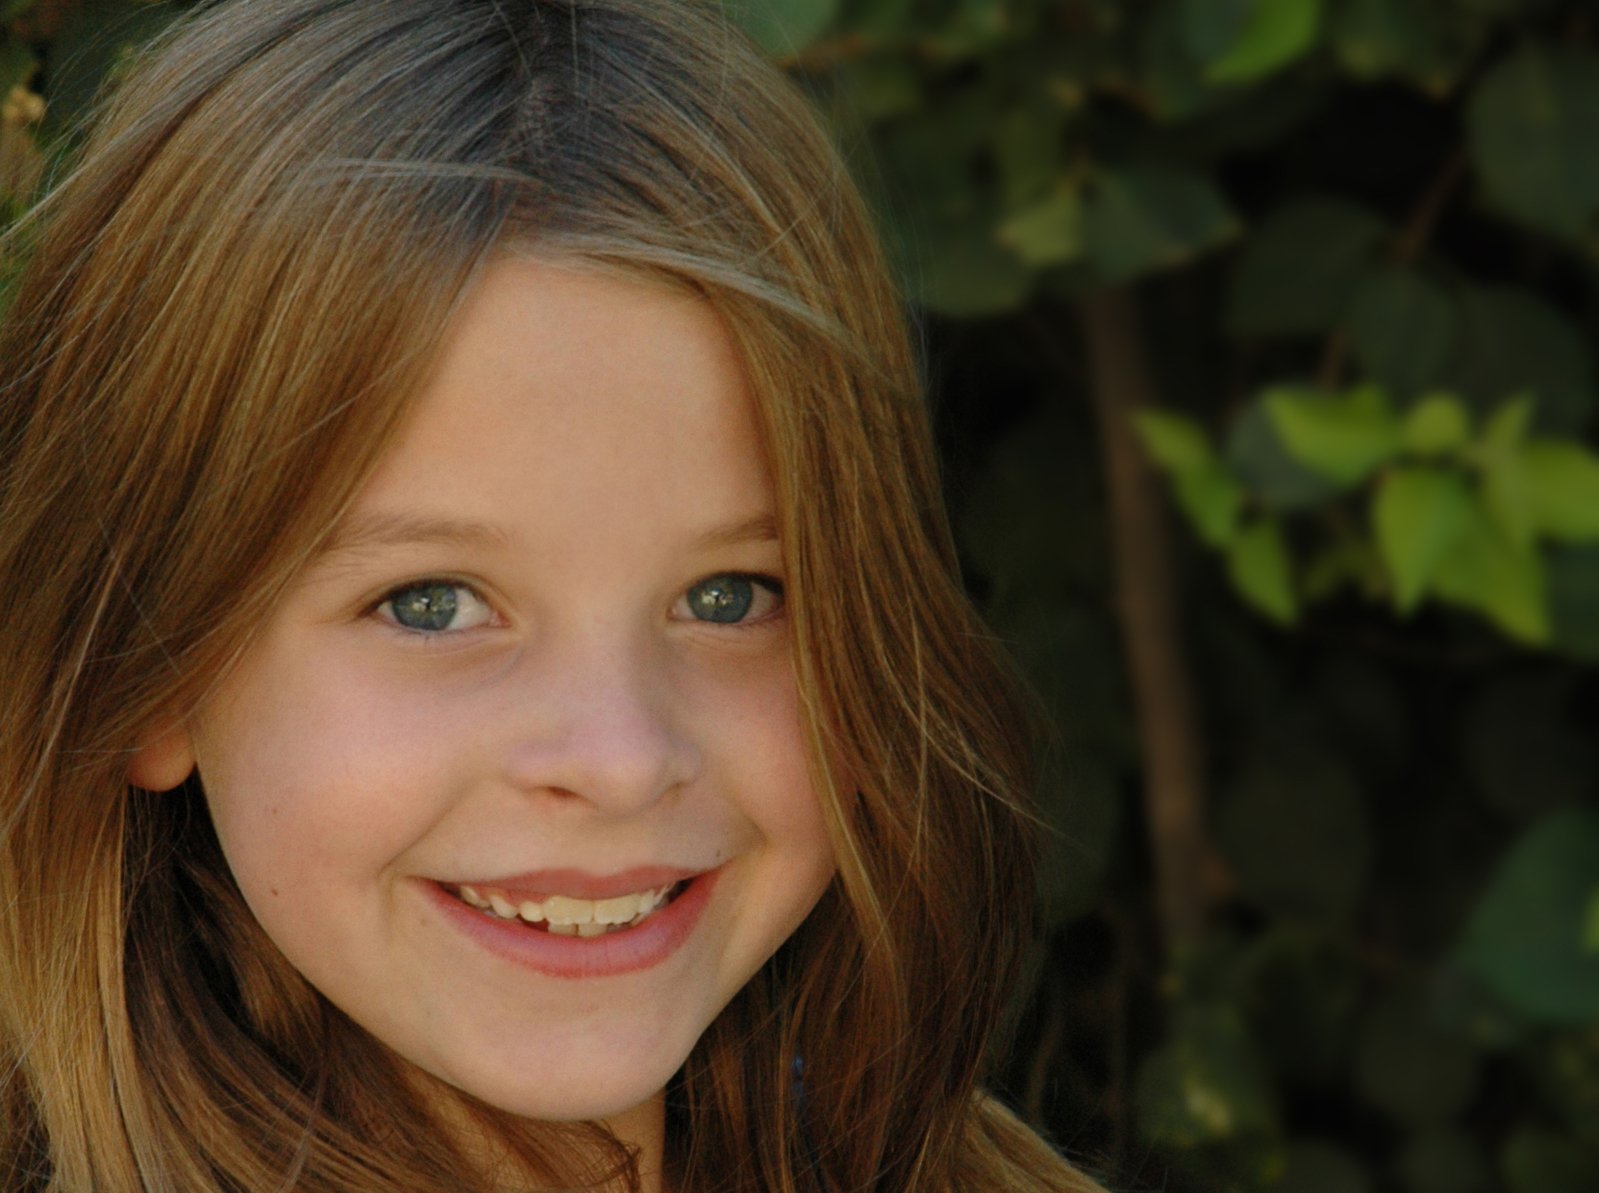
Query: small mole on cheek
pixel 274 891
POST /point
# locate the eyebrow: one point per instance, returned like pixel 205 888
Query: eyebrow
pixel 390 530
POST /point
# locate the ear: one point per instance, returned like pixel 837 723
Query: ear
pixel 165 760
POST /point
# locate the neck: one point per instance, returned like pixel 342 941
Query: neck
pixel 644 1128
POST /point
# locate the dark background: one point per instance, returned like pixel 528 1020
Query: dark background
pixel 1259 338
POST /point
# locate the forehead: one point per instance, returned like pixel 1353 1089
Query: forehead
pixel 560 392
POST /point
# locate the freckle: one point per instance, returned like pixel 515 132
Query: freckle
pixel 274 891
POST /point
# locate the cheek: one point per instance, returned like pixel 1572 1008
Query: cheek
pixel 777 791
pixel 316 785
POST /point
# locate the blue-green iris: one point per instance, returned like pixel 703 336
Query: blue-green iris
pixel 429 607
pixel 721 598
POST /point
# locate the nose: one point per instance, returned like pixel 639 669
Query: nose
pixel 599 725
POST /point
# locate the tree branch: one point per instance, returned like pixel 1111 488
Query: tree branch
pixel 1144 596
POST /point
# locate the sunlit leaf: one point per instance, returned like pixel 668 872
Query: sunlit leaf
pixel 1562 486
pixel 1260 569
pixel 1491 575
pixel 1176 442
pixel 1343 437
pixel 1420 513
pixel 1526 939
pixel 1212 499
pixel 1437 425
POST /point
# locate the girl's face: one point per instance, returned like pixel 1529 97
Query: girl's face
pixel 542 673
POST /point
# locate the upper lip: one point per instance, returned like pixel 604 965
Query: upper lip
pixel 582 884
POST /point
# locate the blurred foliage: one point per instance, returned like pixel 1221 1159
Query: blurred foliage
pixel 1364 240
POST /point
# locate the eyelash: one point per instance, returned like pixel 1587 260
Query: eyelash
pixel 770 584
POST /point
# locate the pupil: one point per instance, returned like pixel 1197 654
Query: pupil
pixel 726 598
pixel 430 607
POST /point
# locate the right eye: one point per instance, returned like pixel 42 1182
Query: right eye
pixel 435 607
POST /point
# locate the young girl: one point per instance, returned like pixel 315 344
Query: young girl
pixel 489 701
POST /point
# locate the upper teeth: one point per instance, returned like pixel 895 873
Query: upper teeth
pixel 564 911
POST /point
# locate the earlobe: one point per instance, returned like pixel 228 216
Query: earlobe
pixel 165 760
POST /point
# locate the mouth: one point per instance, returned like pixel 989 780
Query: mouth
pixel 568 915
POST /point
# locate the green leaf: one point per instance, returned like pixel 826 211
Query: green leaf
pixel 1297 834
pixel 1489 574
pixel 1256 455
pixel 1411 1066
pixel 1208 1084
pixel 784 27
pixel 966 272
pixel 1049 232
pixel 1275 34
pixel 1537 1161
pixel 1259 567
pixel 1212 499
pixel 1511 341
pixel 1531 124
pixel 1151 217
pixel 1562 487
pixel 1420 513
pixel 1590 934
pixel 1296 274
pixel 1437 425
pixel 1027 143
pixel 1342 437
pixel 1506 427
pixel 1526 939
pixel 1174 441
pixel 1402 328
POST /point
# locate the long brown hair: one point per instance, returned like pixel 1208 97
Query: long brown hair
pixel 230 302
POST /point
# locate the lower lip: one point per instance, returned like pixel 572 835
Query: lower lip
pixel 632 949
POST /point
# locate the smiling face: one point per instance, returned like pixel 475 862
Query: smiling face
pixel 543 666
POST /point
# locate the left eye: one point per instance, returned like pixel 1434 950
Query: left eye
pixel 732 598
pixel 435 607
